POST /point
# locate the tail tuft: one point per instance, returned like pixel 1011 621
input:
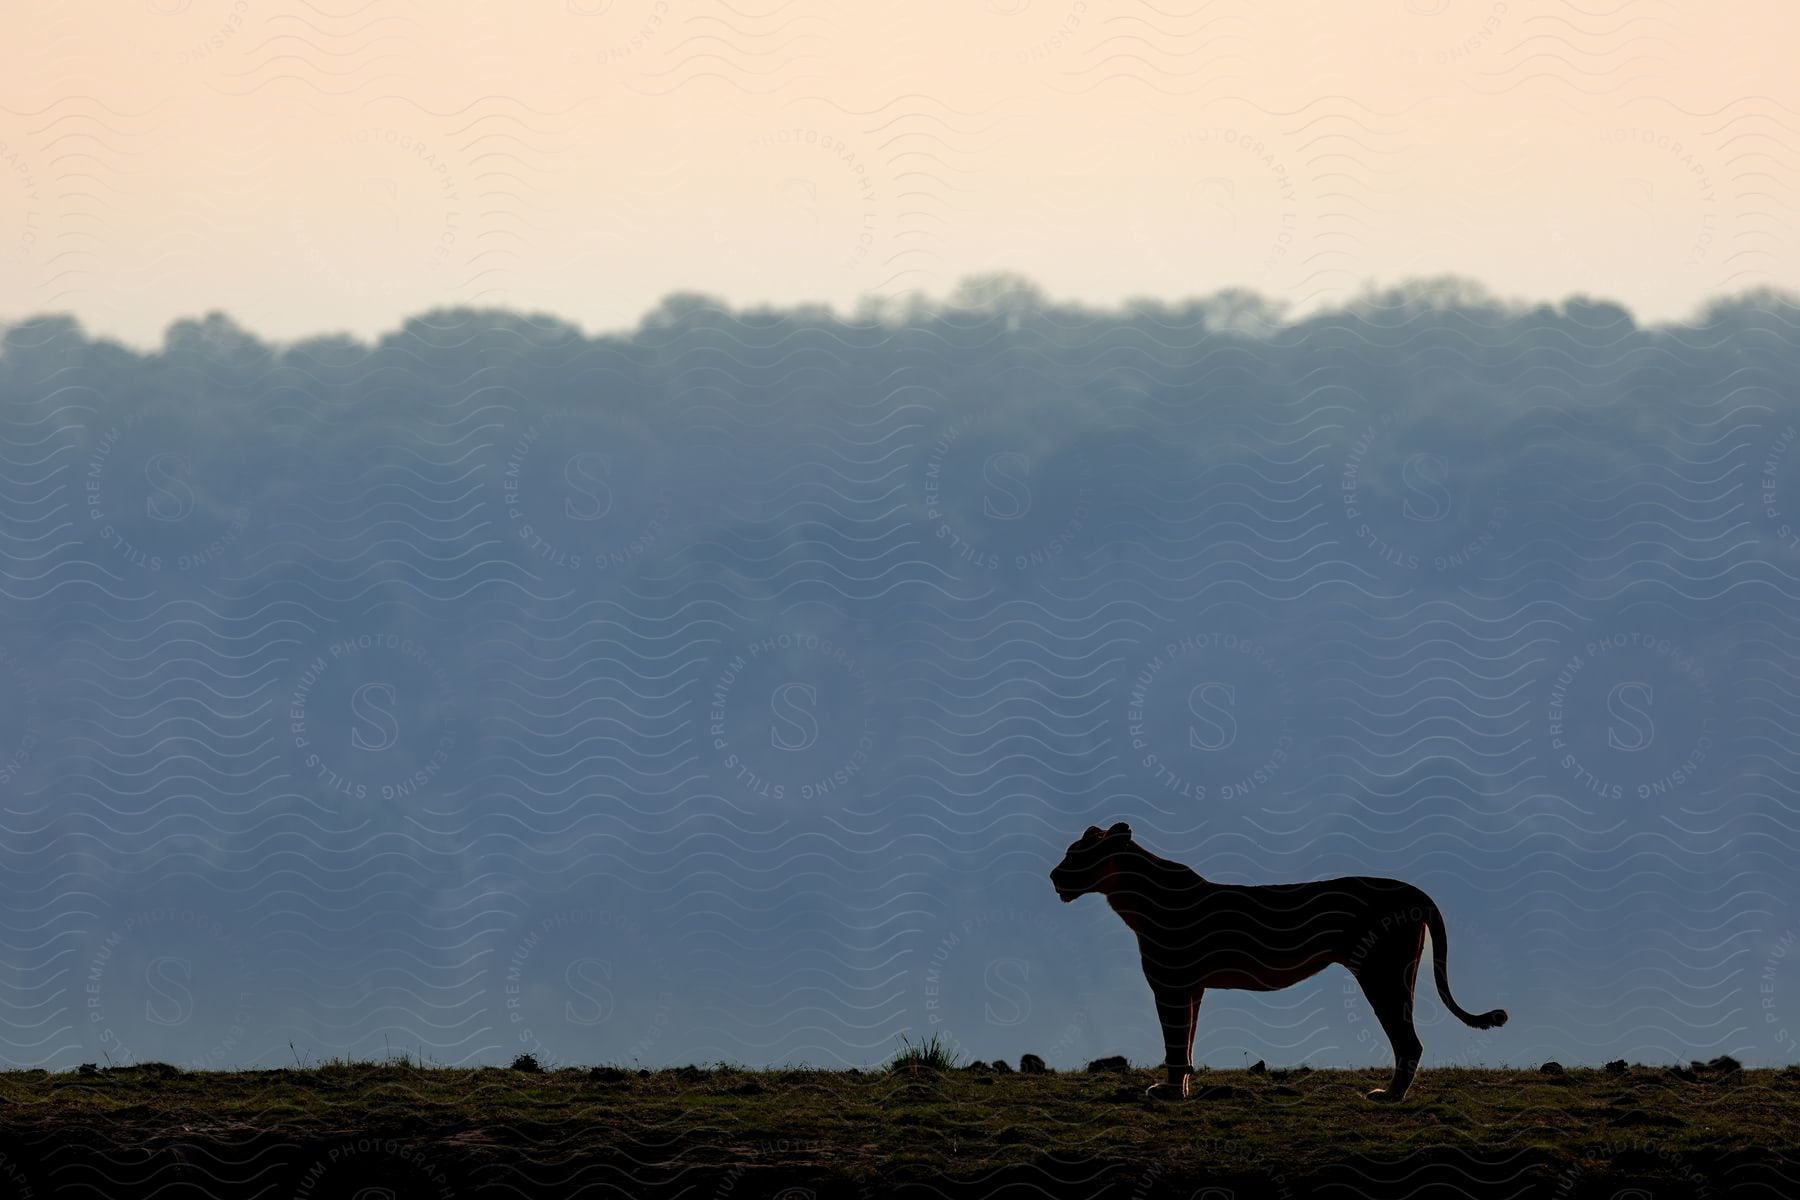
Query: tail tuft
pixel 1492 1019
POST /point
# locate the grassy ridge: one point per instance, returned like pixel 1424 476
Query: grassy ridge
pixel 336 1129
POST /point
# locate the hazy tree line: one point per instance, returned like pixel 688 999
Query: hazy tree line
pixel 788 637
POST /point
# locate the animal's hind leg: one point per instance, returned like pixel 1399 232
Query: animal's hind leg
pixel 1387 979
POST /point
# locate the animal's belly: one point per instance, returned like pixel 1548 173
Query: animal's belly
pixel 1258 968
pixel 1263 977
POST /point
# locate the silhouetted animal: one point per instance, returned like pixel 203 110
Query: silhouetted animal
pixel 1195 934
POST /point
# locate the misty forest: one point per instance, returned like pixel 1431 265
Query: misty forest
pixel 724 689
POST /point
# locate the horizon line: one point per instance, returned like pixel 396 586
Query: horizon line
pixel 992 292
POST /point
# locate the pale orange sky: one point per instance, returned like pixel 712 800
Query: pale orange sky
pixel 335 165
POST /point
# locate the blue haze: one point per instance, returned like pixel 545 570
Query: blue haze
pixel 725 689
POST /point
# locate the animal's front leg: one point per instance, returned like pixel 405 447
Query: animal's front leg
pixel 1176 1013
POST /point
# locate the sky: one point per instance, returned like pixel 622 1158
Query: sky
pixel 340 166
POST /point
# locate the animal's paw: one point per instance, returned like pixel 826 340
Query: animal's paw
pixel 1383 1096
pixel 1167 1091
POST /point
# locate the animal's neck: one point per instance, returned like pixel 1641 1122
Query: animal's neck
pixel 1139 888
pixel 1133 906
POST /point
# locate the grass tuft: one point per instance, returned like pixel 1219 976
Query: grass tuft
pixel 930 1055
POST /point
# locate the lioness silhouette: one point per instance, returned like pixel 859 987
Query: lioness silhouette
pixel 1195 934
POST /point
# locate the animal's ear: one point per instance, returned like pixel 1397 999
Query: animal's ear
pixel 1120 828
pixel 1093 831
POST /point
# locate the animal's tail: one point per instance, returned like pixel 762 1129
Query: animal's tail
pixel 1440 954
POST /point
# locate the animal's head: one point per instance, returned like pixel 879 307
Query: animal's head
pixel 1092 861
